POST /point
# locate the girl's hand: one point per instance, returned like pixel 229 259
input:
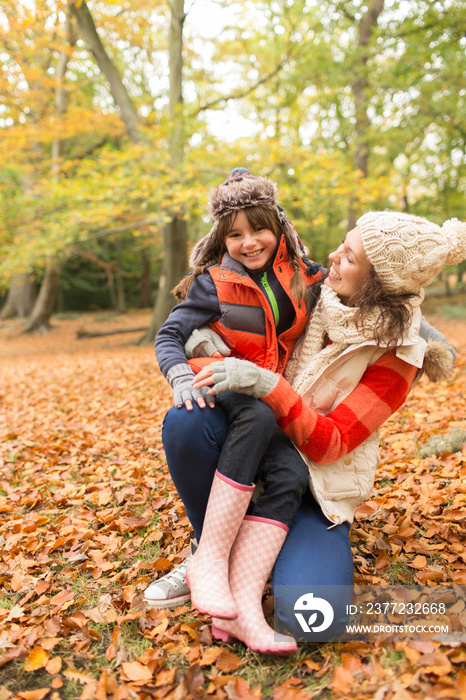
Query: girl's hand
pixel 184 393
pixel 204 342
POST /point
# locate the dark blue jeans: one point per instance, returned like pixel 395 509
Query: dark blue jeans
pixel 255 450
pixel 314 554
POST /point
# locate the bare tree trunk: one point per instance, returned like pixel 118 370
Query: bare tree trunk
pixel 145 287
pixel 39 320
pixel 61 98
pixel 21 297
pixel 460 270
pixel 128 112
pixel 121 300
pixel 174 268
pixel 360 88
pixel 111 288
pixel 175 234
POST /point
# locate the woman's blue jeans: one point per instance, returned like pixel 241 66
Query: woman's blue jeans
pixel 315 559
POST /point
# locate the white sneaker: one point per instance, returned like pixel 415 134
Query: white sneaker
pixel 171 590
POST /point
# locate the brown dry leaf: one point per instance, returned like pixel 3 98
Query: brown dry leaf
pixel 239 688
pixel 210 656
pixel 37 694
pixel 42 587
pixel 79 676
pixel 342 679
pixel 194 653
pixel 89 692
pixel 160 628
pixel 436 663
pixel 12 653
pixel 49 643
pixel 192 683
pixel 290 690
pixel 227 661
pixel 54 665
pixel 310 665
pixel 15 613
pixel 458 656
pixel 166 677
pixel 461 680
pixel 351 662
pixel 382 561
pixel 366 510
pixel 62 598
pixel 83 474
pixel 401 694
pixel 419 562
pixel 111 652
pixel 194 634
pixel 162 564
pixel 135 671
pixel 37 658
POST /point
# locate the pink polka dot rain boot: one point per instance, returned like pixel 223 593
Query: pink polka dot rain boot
pixel 207 573
pixel 254 553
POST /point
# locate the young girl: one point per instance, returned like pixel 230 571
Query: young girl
pixel 252 284
pixel 352 369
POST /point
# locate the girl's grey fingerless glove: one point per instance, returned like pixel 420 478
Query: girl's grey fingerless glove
pixel 180 377
pixel 245 377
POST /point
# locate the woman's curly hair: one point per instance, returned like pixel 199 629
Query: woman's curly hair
pixel 395 309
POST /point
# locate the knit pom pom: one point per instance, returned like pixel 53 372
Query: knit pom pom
pixel 439 362
pixel 455 234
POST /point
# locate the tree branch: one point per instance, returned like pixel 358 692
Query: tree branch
pixel 128 111
pixel 124 227
pixel 243 93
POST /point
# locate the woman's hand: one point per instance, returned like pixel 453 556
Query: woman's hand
pixel 205 378
pixel 236 375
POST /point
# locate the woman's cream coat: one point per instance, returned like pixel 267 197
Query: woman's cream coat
pixel 341 486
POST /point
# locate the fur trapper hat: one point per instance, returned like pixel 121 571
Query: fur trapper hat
pixel 240 190
pixel 409 251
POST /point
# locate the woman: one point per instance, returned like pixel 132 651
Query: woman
pixel 339 393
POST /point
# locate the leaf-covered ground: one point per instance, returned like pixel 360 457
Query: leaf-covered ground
pixel 88 516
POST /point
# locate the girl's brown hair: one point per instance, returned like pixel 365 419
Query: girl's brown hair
pixel 258 217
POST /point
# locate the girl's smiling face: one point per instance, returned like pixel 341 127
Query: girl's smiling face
pixel 350 266
pixel 251 246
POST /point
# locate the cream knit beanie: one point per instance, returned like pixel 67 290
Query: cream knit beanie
pixel 409 251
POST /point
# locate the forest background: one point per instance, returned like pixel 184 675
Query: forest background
pixel 115 120
pixel 117 117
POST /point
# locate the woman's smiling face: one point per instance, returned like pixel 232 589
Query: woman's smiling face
pixel 350 266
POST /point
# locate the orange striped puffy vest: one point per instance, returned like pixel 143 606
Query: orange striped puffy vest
pixel 246 323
